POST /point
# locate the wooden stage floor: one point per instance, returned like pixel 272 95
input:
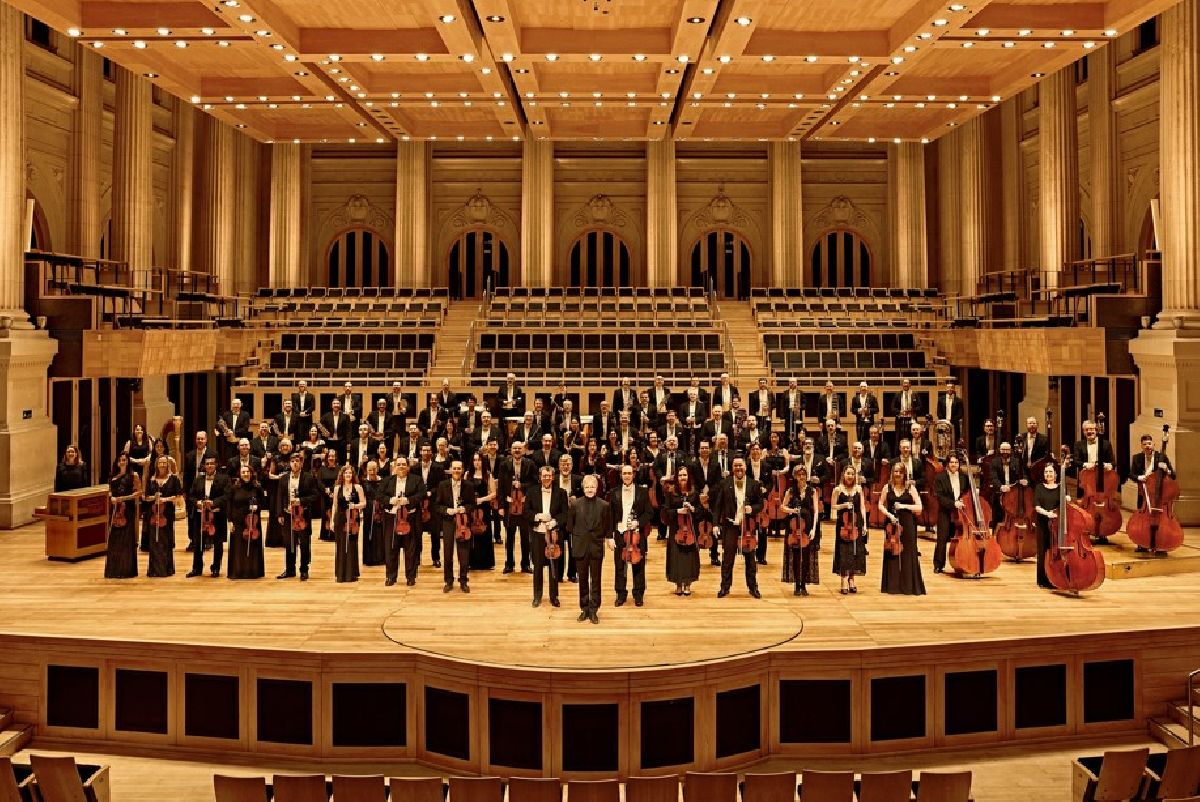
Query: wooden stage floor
pixel 495 624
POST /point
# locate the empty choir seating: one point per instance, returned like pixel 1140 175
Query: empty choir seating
pixel 597 355
pixel 561 308
pixel 859 355
pixel 333 357
pixel 321 307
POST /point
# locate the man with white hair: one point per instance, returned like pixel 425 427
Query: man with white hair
pixel 589 521
pixel 864 407
pixel 510 401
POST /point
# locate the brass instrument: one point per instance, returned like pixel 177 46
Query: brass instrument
pixel 943 440
pixel 275 429
pixel 323 431
pixel 223 430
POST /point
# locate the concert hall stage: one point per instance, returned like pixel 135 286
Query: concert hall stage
pixel 486 683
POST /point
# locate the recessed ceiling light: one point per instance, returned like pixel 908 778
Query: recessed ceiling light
pixel 743 21
pixel 334 57
pixel 1068 32
pixel 968 44
pixel 1010 44
pixel 223 43
pixel 139 44
pixel 1110 33
pixel 768 58
pixel 940 22
pixel 422 57
pixel 230 3
pixel 118 31
pixel 164 31
pixel 708 70
pixel 957 7
pixel 494 18
pixel 522 71
pixel 725 59
pixel 1088 45
pixel 695 20
pixel 507 57
pixel 180 43
pixel 810 59
pixel 151 74
pixel 302 74
pixel 853 59
pixel 595 57
pixel 1047 45
pixel 447 18
pixel 551 57
pixel 672 71
pixel 907 49
pixel 246 17
pixel 277 46
pixel 925 35
pixel 377 57
pixel 1024 32
pixel 195 98
pixel 467 57
pixel 639 57
pixel 682 58
pixel 982 32
pixel 1038 75
pixel 207 31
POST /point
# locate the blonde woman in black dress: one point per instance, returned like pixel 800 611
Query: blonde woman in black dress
pixel 800 565
pixel 347 495
pixel 124 488
pixel 848 504
pixel 163 487
pixel 683 561
pixel 372 525
pixel 245 542
pixel 327 477
pixel 901 503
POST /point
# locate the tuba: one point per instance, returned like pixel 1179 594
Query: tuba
pixel 943 440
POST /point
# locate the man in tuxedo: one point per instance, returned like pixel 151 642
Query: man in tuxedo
pixel 950 408
pixel 864 406
pixel 589 520
pixel 760 406
pixel 431 475
pixel 510 401
pixel 446 399
pixel 913 464
pixel 362 449
pixel 603 422
pixel 337 423
pixel 433 418
pixel 351 403
pixel 1142 465
pixel 543 421
pixel 547 455
pixel 702 394
pixel 402 489
pixel 673 428
pixel 410 444
pixel 264 442
pixel 300 485
pixel 380 424
pixel 717 425
pixel 453 497
pixel 193 466
pixel 515 472
pixel 739 497
pixel 1032 445
pixel 659 396
pixel 624 397
pixel 831 445
pixel 906 407
pixel 876 450
pixel 789 408
pixel 1093 451
pixel 862 469
pixel 950 486
pixel 397 404
pixel 233 468
pixel 468 425
pixel 237 422
pixel 210 490
pixel 627 439
pixel 828 404
pixel 287 422
pixel 304 404
pixel 724 392
pixel 987 443
pixel 1006 471
pixel 693 414
pixel 631 512
pixel 546 510
pixel 526 432
pixel 488 430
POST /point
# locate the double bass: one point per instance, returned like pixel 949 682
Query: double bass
pixel 973 550
pixel 1154 527
pixel 1016 534
pixel 1071 563
pixel 1098 492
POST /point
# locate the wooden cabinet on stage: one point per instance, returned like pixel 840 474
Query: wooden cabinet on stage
pixel 76 523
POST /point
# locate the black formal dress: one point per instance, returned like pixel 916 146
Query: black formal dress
pixel 849 556
pixel 483 552
pixel 683 562
pixel 327 478
pixel 902 573
pixel 245 552
pixel 1047 499
pixel 161 539
pixel 345 558
pixel 70 477
pixel 373 545
pixel 800 565
pixel 120 562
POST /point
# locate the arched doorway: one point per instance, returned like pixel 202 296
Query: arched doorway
pixel 841 258
pixel 478 259
pixel 720 260
pixel 359 257
pixel 600 258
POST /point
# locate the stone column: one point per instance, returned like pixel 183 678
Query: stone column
pixel 83 207
pixel 974 200
pixel 27 437
pixel 1168 356
pixel 906 210
pixel 412 214
pixel 214 239
pixel 245 224
pixel 787 214
pixel 1102 123
pixel 662 215
pixel 132 191
pixel 285 215
pixel 950 212
pixel 1012 182
pixel 183 187
pixel 1058 158
pixel 537 214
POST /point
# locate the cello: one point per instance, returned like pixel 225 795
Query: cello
pixel 1015 534
pixel 1071 563
pixel 1155 527
pixel 973 550
pixel 1098 494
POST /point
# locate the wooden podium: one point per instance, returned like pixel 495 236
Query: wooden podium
pixel 77 523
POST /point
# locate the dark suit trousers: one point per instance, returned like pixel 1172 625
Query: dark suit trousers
pixel 294 541
pixel 453 547
pixel 410 545
pixel 435 539
pixel 218 548
pixel 588 569
pixel 730 552
pixel 513 528
pixel 945 528
pixel 540 564
pixel 622 570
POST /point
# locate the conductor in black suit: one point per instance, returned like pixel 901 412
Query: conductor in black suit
pixel 588 521
pixel 546 505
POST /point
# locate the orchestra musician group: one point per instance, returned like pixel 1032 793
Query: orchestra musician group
pixel 654 472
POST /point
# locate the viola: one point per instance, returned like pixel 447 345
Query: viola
pixel 553 547
pixel 891 534
pixel 298 522
pixel 208 520
pixel 118 516
pixel 157 519
pixel 517 505
pixel 250 525
pixel 748 539
pixel 353 521
pixel 797 534
pixel 973 550
pixel 1015 532
pixel 704 534
pixel 403 527
pixel 478 522
pixel 425 510
pixel 631 551
pixel 1155 526
pixel 462 528
pixel 1071 563
pixel 848 526
pixel 685 530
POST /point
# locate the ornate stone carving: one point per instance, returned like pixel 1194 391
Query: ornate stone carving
pixel 601 211
pixel 841 213
pixel 480 211
pixel 721 211
pixel 359 211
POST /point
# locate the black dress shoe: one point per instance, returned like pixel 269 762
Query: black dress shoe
pixel 638 602
pixel 286 575
pixel 525 569
pixel 437 563
pixel 389 583
pixel 716 563
pixel 620 601
pixel 800 592
pixel 1141 550
pixel 583 616
pixel 722 594
pixel 755 593
pixel 465 587
pixel 410 582
pixel 761 562
pixel 508 569
pixel 537 602
pixel 573 579
pixel 853 589
pixel 304 576
pixel 554 602
pixel 595 619
pixel 191 574
pixel 447 588
pixel 214 573
pixel 497 541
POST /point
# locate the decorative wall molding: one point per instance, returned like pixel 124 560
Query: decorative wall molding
pixel 358 211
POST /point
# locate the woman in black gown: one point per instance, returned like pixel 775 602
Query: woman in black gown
pixel 158 526
pixel 483 553
pixel 683 561
pixel 159 450
pixel 245 525
pixel 800 565
pixel 275 474
pixel 327 476
pixel 372 526
pixel 901 502
pixel 123 490
pixel 139 447
pixel 347 495
pixel 849 556
pixel 71 473
pixel 1045 501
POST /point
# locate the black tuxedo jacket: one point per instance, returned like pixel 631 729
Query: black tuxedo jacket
pixel 642 512
pixel 1041 448
pixel 864 411
pixel 518 405
pixel 1137 465
pixel 724 507
pixel 1016 470
pixel 310 405
pixel 755 406
pixel 218 495
pixel 508 472
pixel 956 410
pixel 189 468
pixel 719 396
pixel 443 500
pixel 240 424
pixel 340 434
pixel 290 428
pixel 559 504
pixel 307 491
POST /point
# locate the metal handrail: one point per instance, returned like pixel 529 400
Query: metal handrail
pixel 731 363
pixel 1190 704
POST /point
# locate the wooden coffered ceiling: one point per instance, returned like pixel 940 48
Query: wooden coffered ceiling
pixel 364 70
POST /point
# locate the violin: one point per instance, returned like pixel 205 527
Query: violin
pixel 250 525
pixel 1155 527
pixel 973 550
pixel 402 527
pixel 353 521
pixel 848 526
pixel 425 510
pixel 553 547
pixel 685 530
pixel 748 539
pixel 797 534
pixel 478 523
pixel 157 519
pixel 208 520
pixel 462 528
pixel 1098 493
pixel 297 510
pixel 704 534
pixel 1015 532
pixel 631 551
pixel 891 533
pixel 118 515
pixel 1071 563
